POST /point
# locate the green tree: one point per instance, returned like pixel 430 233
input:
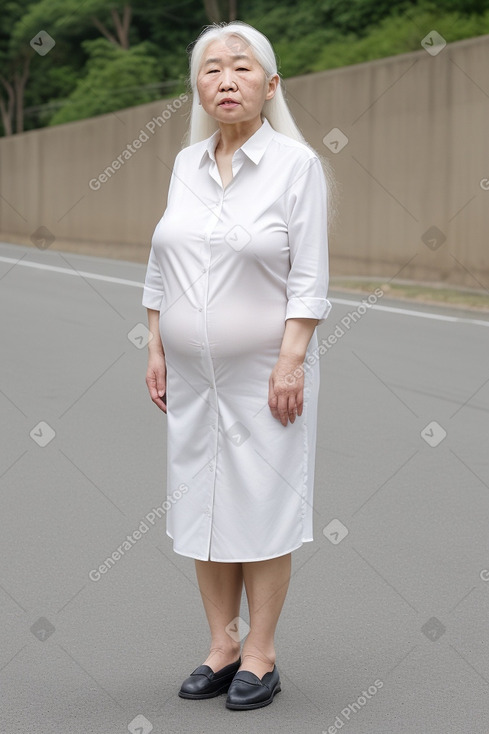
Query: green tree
pixel 114 79
pixel 71 17
pixel 168 25
pixel 88 72
pixel 15 59
pixel 221 10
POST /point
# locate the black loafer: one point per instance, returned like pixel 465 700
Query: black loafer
pixel 204 683
pixel 247 691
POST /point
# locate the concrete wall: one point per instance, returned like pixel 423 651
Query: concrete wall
pixel 417 158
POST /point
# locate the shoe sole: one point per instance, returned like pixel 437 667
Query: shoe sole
pixel 248 706
pixel 200 696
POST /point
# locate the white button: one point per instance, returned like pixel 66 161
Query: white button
pixel 211 466
pixel 200 309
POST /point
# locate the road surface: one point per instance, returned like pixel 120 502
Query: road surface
pixel 385 627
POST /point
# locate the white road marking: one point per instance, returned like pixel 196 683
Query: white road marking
pixel 69 271
pixel 410 312
pixel 340 301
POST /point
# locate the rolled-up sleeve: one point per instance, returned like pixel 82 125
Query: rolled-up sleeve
pixel 153 284
pixel 307 282
pixel 153 291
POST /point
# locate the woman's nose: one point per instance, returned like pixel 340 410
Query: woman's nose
pixel 227 81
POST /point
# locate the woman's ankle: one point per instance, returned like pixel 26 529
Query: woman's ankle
pixel 221 655
pixel 267 657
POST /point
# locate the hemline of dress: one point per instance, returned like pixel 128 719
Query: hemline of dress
pixel 239 560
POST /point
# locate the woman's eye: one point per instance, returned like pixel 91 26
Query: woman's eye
pixel 242 68
pixel 212 71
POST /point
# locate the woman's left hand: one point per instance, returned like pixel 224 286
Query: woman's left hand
pixel 286 389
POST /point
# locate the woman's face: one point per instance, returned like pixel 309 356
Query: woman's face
pixel 230 70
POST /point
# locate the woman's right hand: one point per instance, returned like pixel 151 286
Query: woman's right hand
pixel 156 378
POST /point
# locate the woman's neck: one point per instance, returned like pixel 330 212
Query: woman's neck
pixel 233 135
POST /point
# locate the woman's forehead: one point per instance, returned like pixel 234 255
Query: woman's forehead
pixel 232 46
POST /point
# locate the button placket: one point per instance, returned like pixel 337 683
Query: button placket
pixel 212 401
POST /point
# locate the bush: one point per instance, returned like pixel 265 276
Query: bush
pixel 114 79
pixel 396 34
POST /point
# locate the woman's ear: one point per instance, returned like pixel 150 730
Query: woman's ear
pixel 273 83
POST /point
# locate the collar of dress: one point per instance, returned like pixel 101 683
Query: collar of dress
pixel 254 147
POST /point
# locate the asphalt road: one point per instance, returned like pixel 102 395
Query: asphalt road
pixel 385 627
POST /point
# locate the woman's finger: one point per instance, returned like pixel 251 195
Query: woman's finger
pixel 282 409
pixel 300 401
pixel 272 398
pixel 285 396
pixel 292 408
pixel 156 385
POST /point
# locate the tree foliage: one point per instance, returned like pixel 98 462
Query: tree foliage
pixel 111 55
pixel 114 78
pixel 15 60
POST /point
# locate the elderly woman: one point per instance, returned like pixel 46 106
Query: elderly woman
pixel 236 284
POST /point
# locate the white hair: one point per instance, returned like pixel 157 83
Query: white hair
pixel 201 125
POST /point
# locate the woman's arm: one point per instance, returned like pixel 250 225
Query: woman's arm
pixel 286 384
pixel 297 335
pixel 307 285
pixel 156 373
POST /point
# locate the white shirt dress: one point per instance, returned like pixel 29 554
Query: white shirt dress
pixel 227 267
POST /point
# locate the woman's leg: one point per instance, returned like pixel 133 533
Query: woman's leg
pixel 220 586
pixel 266 584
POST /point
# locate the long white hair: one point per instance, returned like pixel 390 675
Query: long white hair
pixel 201 125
